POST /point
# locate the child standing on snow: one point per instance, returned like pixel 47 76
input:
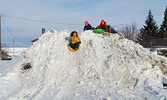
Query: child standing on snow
pixel 74 40
pixel 87 26
pixel 103 25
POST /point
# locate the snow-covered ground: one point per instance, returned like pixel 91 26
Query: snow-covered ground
pixel 14 51
pixel 107 67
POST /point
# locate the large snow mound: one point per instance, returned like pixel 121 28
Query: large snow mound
pixel 107 66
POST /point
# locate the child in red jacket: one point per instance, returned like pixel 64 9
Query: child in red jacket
pixel 103 25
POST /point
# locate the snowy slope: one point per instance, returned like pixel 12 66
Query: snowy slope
pixel 107 67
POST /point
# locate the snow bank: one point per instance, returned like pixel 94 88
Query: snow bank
pixel 107 67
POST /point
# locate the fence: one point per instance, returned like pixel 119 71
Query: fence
pixel 14 51
pixel 154 43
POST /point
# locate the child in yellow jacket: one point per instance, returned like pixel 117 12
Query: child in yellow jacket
pixel 74 40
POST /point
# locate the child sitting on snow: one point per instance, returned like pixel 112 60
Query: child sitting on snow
pixel 87 26
pixel 74 40
pixel 103 25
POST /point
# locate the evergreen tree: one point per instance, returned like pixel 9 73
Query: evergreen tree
pixel 141 36
pixel 163 29
pixel 150 29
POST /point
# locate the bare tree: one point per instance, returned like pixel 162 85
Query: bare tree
pixel 130 31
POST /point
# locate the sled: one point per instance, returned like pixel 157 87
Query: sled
pixel 72 50
pixel 99 31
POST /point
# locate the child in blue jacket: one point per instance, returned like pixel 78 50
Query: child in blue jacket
pixel 87 26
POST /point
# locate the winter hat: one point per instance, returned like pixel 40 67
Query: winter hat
pixel 102 21
pixel 86 22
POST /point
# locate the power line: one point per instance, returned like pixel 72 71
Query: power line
pixel 50 22
pixel 13 34
pixel 27 19
pixel 41 21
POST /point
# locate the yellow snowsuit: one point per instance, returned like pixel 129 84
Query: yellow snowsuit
pixel 74 40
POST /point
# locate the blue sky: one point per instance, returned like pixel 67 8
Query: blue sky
pixel 116 13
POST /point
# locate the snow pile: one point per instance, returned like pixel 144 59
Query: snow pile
pixel 107 67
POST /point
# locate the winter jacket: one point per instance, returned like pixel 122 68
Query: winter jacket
pixel 103 26
pixel 88 27
pixel 75 39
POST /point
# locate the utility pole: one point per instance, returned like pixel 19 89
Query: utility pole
pixel 0 38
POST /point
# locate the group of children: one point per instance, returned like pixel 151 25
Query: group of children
pixel 75 39
pixel 102 25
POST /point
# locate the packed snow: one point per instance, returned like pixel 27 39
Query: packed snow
pixel 107 67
